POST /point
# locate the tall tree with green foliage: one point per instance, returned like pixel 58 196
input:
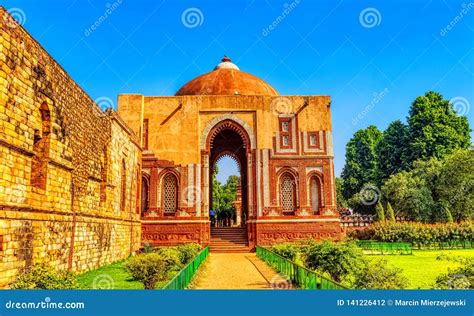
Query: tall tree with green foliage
pixel 454 187
pixel 435 130
pixel 392 150
pixel 223 196
pixel 340 199
pixel 361 160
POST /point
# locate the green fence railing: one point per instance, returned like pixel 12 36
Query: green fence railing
pixel 452 244
pixel 298 275
pixel 385 248
pixel 185 275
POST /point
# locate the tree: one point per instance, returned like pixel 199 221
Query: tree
pixel 223 196
pixel 447 215
pixel 390 213
pixel 454 187
pixel 435 130
pixel 361 160
pixel 340 199
pixel 409 195
pixel 379 211
pixel 392 150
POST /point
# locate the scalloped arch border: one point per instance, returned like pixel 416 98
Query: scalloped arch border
pixel 210 125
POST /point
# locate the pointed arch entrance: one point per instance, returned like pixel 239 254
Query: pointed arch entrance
pixel 227 137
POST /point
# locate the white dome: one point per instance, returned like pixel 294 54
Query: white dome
pixel 226 64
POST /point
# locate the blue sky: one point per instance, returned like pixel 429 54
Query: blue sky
pixel 351 50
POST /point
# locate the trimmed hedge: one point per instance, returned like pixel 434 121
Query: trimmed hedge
pixel 418 234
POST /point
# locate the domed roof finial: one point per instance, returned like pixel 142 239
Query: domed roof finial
pixel 226 64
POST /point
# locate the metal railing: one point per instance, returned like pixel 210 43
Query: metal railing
pixel 298 275
pixel 385 248
pixel 185 275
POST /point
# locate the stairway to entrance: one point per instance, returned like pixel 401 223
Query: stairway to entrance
pixel 229 239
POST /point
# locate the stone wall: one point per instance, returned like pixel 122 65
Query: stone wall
pixel 69 173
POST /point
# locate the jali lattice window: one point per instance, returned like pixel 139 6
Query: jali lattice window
pixel 170 193
pixel 288 193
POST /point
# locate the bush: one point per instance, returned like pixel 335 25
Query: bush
pixel 172 256
pixel 390 213
pixel 417 233
pixel 41 276
pixel 188 252
pixel 378 275
pixel 379 211
pixel 460 278
pixel 150 268
pixel 287 251
pixel 339 260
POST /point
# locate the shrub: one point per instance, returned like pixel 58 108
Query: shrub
pixel 287 251
pixel 378 275
pixel 172 257
pixel 150 268
pixel 339 260
pixel 379 212
pixel 460 278
pixel 417 233
pixel 390 213
pixel 41 276
pixel 188 252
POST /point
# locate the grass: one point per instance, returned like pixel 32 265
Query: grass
pixel 111 276
pixel 422 268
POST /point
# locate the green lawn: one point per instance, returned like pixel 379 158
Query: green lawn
pixel 422 268
pixel 111 276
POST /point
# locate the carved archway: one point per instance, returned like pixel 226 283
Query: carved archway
pixel 228 138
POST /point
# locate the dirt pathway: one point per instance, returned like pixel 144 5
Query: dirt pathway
pixel 236 271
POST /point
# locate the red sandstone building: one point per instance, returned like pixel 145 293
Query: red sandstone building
pixel 282 145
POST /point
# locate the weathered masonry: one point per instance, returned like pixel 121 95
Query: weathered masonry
pixel 70 174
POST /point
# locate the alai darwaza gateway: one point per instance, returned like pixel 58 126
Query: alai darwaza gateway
pixel 282 146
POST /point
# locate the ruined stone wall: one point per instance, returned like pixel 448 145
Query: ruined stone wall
pixel 68 171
